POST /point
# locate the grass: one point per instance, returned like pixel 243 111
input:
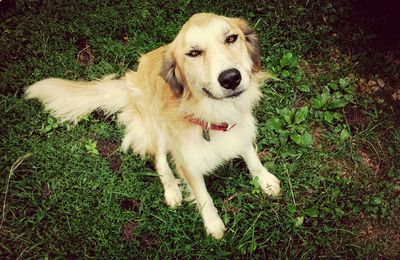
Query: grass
pixel 68 192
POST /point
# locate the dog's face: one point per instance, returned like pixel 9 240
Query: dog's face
pixel 212 56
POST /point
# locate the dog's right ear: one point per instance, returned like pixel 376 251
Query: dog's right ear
pixel 252 42
pixel 168 73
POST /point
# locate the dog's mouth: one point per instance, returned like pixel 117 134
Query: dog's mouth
pixel 235 94
pixel 231 95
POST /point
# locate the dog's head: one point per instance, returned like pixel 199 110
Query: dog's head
pixel 213 56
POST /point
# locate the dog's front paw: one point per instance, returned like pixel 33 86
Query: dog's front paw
pixel 269 184
pixel 214 226
pixel 173 196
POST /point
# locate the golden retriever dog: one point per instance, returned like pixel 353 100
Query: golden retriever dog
pixel 192 98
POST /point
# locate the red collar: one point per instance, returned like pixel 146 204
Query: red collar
pixel 210 126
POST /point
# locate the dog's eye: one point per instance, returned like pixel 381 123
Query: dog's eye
pixel 194 53
pixel 231 38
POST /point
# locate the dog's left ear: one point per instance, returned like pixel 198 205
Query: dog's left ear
pixel 168 73
pixel 252 43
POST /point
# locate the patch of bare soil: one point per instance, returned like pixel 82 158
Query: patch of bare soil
pixel 85 51
pixel 373 232
pixel 108 149
pixel 7 91
pixel 148 241
pixel 355 117
pixel 101 116
pixel 130 205
pixel 128 231
pixel 123 37
pixel 385 85
pixel 46 191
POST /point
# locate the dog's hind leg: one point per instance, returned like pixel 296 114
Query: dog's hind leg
pixel 144 136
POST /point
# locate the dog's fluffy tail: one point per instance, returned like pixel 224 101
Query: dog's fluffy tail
pixel 70 100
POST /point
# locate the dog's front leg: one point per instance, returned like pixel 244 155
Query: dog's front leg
pixel 172 192
pixel 212 221
pixel 268 182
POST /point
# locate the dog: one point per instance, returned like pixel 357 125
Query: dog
pixel 192 99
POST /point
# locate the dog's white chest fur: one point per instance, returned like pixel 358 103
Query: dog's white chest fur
pixel 204 156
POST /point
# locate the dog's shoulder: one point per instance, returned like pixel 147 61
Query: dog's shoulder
pixel 147 78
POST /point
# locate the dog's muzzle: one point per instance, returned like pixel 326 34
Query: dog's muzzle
pixel 232 95
pixel 230 80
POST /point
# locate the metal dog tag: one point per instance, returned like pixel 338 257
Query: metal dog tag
pixel 206 133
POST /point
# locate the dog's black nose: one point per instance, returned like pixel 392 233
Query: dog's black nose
pixel 229 79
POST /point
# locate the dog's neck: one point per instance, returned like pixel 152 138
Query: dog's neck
pixel 210 126
pixel 207 126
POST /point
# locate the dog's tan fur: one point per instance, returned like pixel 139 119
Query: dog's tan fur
pixel 169 86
